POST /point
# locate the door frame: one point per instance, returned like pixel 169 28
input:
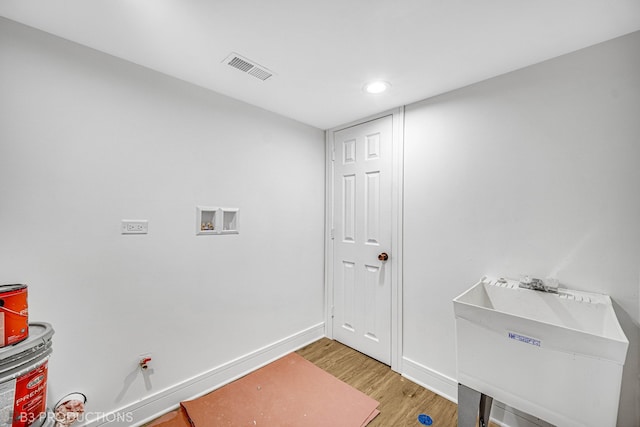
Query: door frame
pixel 397 167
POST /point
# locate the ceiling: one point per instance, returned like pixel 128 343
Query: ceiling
pixel 322 52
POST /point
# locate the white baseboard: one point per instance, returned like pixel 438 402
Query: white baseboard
pixel 149 408
pixel 432 380
pixel 447 387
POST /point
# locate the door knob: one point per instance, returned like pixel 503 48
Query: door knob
pixel 383 256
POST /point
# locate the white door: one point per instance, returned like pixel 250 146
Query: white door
pixel 362 235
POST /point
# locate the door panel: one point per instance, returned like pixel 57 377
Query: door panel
pixel 362 230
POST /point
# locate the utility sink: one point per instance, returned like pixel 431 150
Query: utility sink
pixel 557 356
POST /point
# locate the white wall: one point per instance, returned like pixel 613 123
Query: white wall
pixel 87 140
pixel 536 171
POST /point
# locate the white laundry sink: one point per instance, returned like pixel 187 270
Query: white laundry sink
pixel 557 356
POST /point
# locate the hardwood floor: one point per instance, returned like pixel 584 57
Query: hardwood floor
pixel 401 401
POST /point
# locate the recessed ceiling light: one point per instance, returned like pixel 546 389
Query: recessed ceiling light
pixel 377 86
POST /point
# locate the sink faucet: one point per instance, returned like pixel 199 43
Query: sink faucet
pixel 537 285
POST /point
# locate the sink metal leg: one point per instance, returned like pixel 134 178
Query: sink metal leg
pixel 473 405
pixel 468 404
pixel 484 410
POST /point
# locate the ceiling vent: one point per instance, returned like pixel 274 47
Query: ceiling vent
pixel 248 66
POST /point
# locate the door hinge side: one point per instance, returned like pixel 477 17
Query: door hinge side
pixel 332 234
pixel 333 310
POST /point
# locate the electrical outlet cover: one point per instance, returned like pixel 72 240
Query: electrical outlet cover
pixel 134 226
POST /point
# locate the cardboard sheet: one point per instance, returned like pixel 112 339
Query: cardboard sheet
pixel 288 392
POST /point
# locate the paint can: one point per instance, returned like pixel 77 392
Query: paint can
pixel 23 379
pixel 69 409
pixel 14 314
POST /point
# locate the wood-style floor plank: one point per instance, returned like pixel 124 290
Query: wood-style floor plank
pixel 401 401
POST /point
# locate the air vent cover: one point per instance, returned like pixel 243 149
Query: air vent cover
pixel 248 66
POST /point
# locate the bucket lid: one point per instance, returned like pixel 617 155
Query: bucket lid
pixel 9 288
pixel 39 336
pixel 22 366
pixel 76 395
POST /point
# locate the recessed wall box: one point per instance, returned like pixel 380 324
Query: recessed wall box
pixel 230 220
pixel 206 220
pixel 215 220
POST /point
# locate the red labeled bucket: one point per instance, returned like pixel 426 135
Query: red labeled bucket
pixel 23 379
pixel 30 398
pixel 14 314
